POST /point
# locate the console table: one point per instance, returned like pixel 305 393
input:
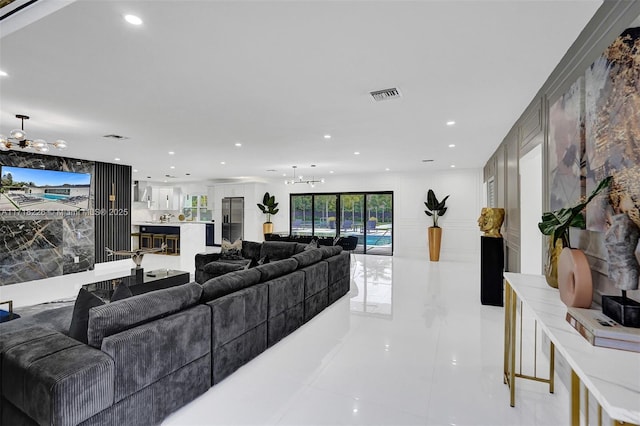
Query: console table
pixel 611 376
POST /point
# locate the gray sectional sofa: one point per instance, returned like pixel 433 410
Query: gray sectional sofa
pixel 150 354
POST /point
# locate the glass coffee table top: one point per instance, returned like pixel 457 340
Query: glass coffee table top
pixel 151 280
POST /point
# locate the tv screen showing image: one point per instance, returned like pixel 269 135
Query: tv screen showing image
pixel 26 189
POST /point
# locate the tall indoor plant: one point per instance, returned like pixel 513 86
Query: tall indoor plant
pixel 435 209
pixel 556 224
pixel 268 207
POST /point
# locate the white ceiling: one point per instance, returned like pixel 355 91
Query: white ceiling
pixel 199 76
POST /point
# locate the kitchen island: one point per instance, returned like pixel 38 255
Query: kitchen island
pixel 192 239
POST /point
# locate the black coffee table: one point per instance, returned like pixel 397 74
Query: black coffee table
pixel 152 280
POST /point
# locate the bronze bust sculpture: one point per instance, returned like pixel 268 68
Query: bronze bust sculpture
pixel 490 221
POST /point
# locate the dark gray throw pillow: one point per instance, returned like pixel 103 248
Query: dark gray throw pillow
pixel 80 317
pixel 312 245
pixel 122 291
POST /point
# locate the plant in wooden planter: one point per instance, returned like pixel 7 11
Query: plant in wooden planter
pixel 435 209
pixel 565 264
pixel 268 207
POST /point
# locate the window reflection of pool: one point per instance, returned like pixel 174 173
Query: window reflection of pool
pixel 375 240
pixel 52 196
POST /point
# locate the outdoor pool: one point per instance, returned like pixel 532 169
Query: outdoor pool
pixel 53 196
pixel 375 240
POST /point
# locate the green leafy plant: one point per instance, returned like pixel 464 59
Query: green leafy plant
pixel 268 206
pixel 435 208
pixel 557 223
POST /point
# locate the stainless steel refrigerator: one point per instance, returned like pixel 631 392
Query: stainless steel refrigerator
pixel 233 218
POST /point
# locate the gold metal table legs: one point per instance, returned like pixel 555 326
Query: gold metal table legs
pixel 511 347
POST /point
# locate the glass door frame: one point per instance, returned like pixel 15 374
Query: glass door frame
pixel 338 225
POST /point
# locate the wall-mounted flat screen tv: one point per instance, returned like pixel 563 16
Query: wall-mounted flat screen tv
pixel 26 189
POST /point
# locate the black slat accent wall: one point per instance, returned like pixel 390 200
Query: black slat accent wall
pixel 112 220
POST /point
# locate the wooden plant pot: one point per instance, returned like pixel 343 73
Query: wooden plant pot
pixel 267 228
pixel 435 237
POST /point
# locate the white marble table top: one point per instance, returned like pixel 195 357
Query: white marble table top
pixel 611 375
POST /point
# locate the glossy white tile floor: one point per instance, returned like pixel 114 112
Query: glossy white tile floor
pixel 410 345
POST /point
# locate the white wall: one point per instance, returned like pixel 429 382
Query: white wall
pixel 460 238
pixel 531 211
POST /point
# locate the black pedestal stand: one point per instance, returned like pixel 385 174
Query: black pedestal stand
pixel 139 274
pixel 491 268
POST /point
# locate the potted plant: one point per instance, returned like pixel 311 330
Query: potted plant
pixel 268 207
pixel 435 209
pixel 556 226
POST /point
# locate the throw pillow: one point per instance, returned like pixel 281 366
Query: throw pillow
pixel 256 262
pixel 122 291
pixel 336 241
pixel 231 251
pixel 312 245
pixel 80 317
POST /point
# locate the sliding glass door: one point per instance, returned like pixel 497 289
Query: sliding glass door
pixel 368 216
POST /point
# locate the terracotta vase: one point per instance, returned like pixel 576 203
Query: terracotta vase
pixel 267 228
pixel 551 264
pixel 435 237
pixel 574 278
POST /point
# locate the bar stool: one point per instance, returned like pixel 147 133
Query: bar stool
pixel 158 240
pixel 173 244
pixel 146 240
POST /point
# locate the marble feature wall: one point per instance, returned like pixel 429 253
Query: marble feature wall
pixel 40 244
pixel 30 249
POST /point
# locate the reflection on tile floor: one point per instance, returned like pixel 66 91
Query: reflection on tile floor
pixel 410 345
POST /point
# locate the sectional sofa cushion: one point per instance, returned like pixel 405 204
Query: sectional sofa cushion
pixel 276 269
pixel 277 250
pixel 55 379
pixel 251 250
pixel 229 283
pixel 328 251
pixel 221 267
pixel 307 257
pixel 80 317
pixel 125 314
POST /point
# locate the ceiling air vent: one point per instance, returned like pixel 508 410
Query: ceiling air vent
pixel 113 136
pixel 383 95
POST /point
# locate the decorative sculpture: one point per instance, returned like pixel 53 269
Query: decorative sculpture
pixel 136 255
pixel 622 242
pixel 490 221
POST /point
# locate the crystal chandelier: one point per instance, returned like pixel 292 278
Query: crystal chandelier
pixel 311 182
pixel 18 139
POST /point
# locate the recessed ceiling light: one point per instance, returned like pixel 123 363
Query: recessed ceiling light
pixel 450 123
pixel 331 172
pixel 284 174
pixel 223 163
pixel 238 144
pixel 165 181
pixel 171 152
pixel 327 136
pixel 356 153
pixel 452 166
pixel 3 73
pixel 452 145
pixel 116 159
pixel 387 169
pixel 172 167
pixel 133 19
pixel 135 170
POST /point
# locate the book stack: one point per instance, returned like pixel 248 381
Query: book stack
pixel 601 330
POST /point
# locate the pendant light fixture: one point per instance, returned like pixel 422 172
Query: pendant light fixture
pixel 18 139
